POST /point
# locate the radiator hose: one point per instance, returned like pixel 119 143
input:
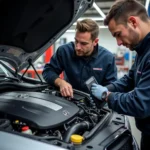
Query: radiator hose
pixel 5 124
pixel 75 129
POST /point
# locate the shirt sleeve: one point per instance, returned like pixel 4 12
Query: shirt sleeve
pixel 54 68
pixel 136 102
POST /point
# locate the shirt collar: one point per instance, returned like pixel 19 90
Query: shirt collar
pixel 141 47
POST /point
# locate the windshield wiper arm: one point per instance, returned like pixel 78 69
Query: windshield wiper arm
pixel 5 76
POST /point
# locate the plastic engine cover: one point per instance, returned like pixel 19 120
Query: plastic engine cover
pixel 38 110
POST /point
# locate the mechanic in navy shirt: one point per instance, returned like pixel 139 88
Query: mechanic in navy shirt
pixel 129 23
pixel 80 60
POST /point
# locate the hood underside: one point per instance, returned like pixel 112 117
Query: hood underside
pixel 29 27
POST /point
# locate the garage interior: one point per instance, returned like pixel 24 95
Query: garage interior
pixel 27 97
pixel 124 57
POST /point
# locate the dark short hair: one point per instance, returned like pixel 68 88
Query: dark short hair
pixel 88 25
pixel 122 9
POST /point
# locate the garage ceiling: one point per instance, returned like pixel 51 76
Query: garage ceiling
pixel 100 8
pixel 104 5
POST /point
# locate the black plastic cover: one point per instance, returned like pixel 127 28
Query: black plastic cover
pixel 39 110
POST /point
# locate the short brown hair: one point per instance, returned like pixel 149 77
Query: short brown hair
pixel 88 25
pixel 122 9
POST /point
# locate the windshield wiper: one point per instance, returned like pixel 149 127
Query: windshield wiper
pixel 12 78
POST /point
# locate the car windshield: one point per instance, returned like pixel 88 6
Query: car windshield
pixel 5 74
pixel 3 71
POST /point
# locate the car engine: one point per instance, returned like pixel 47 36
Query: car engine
pixel 39 112
pixel 47 114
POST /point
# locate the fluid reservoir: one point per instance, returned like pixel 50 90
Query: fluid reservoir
pixel 26 130
pixel 76 139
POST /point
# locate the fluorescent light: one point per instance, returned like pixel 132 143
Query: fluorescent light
pixel 73 30
pixel 147 4
pixel 70 31
pixel 93 18
pixel 103 27
pixel 98 10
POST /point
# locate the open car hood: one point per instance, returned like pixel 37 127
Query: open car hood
pixel 29 27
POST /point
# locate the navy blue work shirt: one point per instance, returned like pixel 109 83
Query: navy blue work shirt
pixel 131 94
pixel 101 65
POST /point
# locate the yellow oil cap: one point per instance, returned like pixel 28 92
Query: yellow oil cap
pixel 16 121
pixel 76 139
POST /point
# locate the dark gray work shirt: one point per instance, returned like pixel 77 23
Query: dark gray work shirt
pixel 101 65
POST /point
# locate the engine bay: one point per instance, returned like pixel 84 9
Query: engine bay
pixel 39 112
pixel 46 113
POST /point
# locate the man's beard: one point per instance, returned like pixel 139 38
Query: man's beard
pixel 84 54
pixel 134 39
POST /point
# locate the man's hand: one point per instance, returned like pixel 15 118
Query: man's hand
pixel 98 90
pixel 65 88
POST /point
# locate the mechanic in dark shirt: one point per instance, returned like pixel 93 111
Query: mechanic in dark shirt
pixel 130 25
pixel 81 60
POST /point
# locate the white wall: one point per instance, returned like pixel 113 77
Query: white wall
pixel 105 39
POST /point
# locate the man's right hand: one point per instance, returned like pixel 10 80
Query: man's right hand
pixel 65 88
pixel 97 90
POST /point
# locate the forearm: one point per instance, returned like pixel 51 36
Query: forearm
pixel 132 103
pixel 58 82
pixel 125 84
pixel 50 76
pixel 111 88
pixel 53 69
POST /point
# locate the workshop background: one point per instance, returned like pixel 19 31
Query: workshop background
pixel 124 57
